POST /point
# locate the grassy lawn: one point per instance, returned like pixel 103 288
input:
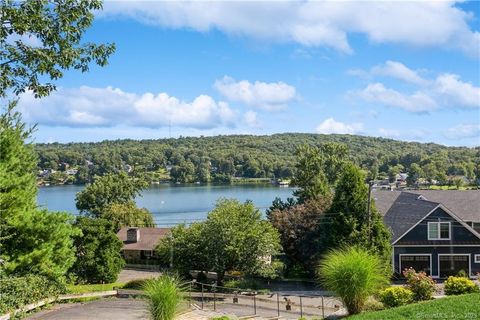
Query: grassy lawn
pixel 455 307
pixel 84 288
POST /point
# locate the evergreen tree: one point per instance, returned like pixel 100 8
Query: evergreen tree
pixel 32 240
pixel 97 252
pixel 347 222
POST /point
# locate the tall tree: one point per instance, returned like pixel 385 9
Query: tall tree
pixel 107 190
pixel 127 214
pixel 39 39
pixel 97 252
pixel 348 221
pixel 32 240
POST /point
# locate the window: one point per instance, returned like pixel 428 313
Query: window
pixel 477 258
pixel 439 231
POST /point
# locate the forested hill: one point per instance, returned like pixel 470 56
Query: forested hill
pixel 221 158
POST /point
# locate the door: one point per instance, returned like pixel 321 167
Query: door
pixel 419 262
pixel 452 264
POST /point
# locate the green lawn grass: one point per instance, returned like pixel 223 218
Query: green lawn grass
pixel 84 288
pixel 455 307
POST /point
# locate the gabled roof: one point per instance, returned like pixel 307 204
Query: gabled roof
pixel 149 238
pixel 402 210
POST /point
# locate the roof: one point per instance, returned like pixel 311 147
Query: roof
pixel 403 209
pixel 149 238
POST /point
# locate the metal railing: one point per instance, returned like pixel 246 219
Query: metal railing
pixel 241 302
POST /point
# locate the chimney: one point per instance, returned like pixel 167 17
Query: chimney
pixel 133 235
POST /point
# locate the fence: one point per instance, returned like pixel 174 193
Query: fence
pixel 247 303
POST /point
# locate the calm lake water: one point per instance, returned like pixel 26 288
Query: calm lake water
pixel 173 204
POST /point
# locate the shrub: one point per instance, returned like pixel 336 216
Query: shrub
pixel 460 285
pixel 420 284
pixel 245 284
pixel 462 273
pixel 18 292
pixel 353 274
pixel 136 284
pixel 165 295
pixel 373 304
pixel 396 296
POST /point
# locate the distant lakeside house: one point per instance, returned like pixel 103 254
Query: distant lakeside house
pixel 139 243
pixel 436 231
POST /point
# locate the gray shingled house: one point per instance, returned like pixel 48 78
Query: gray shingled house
pixel 435 231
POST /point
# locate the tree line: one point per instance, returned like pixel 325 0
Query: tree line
pixel 223 158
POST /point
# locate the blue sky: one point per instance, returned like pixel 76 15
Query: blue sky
pixel 404 70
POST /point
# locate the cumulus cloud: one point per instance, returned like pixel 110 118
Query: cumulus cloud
pixel 315 23
pixel 251 119
pixel 329 126
pixel 389 133
pixel 444 91
pixel 465 130
pixel 268 96
pixel 106 107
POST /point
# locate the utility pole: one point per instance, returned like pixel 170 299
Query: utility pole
pixel 370 184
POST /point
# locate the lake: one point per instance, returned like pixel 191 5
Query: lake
pixel 173 204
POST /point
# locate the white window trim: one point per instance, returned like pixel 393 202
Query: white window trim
pixel 477 258
pixel 439 230
pixel 452 255
pixel 429 255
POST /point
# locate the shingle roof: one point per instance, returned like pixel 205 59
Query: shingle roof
pixel 149 238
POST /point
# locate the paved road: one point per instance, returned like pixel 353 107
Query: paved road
pixel 105 309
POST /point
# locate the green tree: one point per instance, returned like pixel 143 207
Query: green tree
pixel 107 190
pixel 309 175
pixel 414 174
pixel 32 240
pixel 348 221
pixel 234 237
pixel 39 39
pixel 127 214
pixel 97 251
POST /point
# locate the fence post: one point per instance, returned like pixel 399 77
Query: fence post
pixel 254 303
pixel 323 309
pixel 202 296
pixel 301 307
pixel 190 295
pixel 278 305
pixel 214 298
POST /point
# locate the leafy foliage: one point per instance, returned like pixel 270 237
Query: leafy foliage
pixel 127 214
pixel 32 240
pixel 17 292
pixel 234 237
pixel 459 285
pixel 107 190
pixel 396 296
pixel 299 228
pixel 165 296
pixel 420 284
pixel 40 39
pixel 348 221
pixel 246 156
pixel 97 252
pixel 353 274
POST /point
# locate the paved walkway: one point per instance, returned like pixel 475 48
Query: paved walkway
pixel 105 309
pixel 130 274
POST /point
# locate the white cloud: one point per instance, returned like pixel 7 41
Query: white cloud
pixel 389 133
pixel 378 93
pixel 444 91
pixel 400 71
pixel 251 119
pixel 315 23
pixel 107 107
pixel 462 131
pixel 329 126
pixel 268 96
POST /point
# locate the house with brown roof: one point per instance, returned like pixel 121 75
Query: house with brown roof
pixel 140 243
pixel 436 231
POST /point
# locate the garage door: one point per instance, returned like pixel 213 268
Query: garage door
pixel 417 262
pixel 451 265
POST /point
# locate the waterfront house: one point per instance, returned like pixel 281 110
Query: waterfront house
pixel 139 243
pixel 436 231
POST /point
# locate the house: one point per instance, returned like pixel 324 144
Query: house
pixel 436 231
pixel 140 243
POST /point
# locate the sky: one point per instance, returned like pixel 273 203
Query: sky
pixel 403 70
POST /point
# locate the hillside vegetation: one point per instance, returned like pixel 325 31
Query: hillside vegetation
pixel 223 158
